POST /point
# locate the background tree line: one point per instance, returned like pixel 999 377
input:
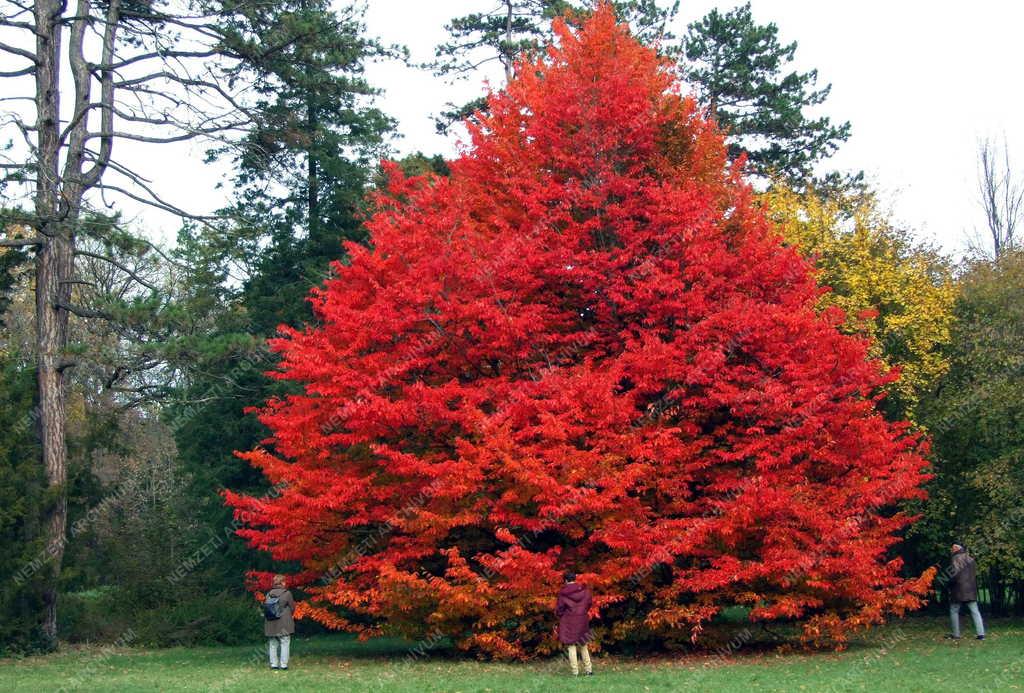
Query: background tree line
pixel 126 368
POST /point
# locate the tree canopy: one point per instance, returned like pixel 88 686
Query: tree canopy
pixel 585 349
pixel 974 416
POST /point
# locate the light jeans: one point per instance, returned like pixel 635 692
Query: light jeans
pixel 273 644
pixel 954 617
pixel 586 659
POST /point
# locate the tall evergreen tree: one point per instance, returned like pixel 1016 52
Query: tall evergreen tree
pixel 300 179
pixel 301 170
pixel 739 70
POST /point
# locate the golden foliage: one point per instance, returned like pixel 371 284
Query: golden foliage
pixel 892 290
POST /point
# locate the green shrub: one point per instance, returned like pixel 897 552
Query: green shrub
pixel 23 502
pixel 186 617
pixel 198 619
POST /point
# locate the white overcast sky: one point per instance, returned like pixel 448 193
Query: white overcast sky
pixel 920 81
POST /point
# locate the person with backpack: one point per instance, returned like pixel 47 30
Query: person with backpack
pixel 572 609
pixel 278 624
pixel 963 589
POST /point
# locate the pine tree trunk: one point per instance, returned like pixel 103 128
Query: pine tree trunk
pixel 58 206
pixel 312 180
pixel 51 321
pixel 51 339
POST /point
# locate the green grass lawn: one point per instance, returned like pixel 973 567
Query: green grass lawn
pixel 904 656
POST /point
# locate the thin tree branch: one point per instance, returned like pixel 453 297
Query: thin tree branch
pixel 128 84
pixel 28 55
pixel 163 55
pixel 118 265
pixel 83 312
pixel 6 21
pixel 30 70
pixel 170 138
pixel 21 242
pixel 155 201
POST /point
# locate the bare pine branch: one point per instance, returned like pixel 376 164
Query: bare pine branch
pixel 123 268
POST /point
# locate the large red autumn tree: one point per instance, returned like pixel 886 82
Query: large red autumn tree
pixel 585 349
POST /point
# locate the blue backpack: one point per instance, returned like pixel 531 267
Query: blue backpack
pixel 272 607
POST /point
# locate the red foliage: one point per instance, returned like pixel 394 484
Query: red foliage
pixel 585 349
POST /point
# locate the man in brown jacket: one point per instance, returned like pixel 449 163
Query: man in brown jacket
pixel 279 602
pixel 963 589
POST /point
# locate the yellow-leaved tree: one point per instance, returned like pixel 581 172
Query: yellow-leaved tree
pixel 898 292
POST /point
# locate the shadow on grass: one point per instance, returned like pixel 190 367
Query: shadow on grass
pixel 724 647
pixel 723 643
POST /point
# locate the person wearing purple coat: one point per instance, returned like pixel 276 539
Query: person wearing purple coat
pixel 574 601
